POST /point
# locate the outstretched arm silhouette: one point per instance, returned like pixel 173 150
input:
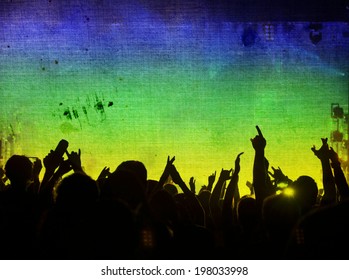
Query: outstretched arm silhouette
pixel 339 177
pixel 259 169
pixel 75 160
pixel 227 209
pixel 166 173
pixel 53 176
pixel 215 208
pixel 279 176
pixel 35 185
pixel 192 185
pixel 211 180
pixel 197 210
pixel 327 177
pixel 51 163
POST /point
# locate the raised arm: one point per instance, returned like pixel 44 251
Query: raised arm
pixel 327 177
pixel 35 186
pixel 166 173
pixel 53 160
pixel 279 177
pixel 260 175
pixel 211 180
pixel 192 185
pixel 215 209
pixel 75 161
pixel 196 208
pixel 232 189
pixel 250 187
pixel 339 177
pixel 103 175
pixel 51 163
pixel 46 189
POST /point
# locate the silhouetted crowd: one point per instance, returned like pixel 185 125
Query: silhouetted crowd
pixel 124 215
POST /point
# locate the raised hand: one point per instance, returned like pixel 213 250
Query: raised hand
pixel 278 175
pixel 64 167
pixel 250 187
pixel 168 167
pixel 37 166
pixel 322 153
pixel 75 160
pixel 334 157
pixel 104 173
pixel 225 174
pixel 166 173
pixel 211 180
pixel 328 180
pixel 237 163
pixel 52 161
pixel 259 142
pixel 169 162
pixel 192 184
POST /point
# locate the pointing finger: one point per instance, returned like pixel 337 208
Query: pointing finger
pixel 259 131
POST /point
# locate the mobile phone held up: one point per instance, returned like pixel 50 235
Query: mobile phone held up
pixel 61 148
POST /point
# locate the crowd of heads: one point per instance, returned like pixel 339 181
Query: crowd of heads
pixel 124 215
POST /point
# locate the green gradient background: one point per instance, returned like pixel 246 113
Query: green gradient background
pixel 182 89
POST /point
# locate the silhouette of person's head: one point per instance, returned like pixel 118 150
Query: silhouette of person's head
pixel 135 167
pixel 123 185
pixel 19 170
pixel 204 198
pixel 171 189
pixel 152 187
pixel 77 190
pixel 280 213
pixel 247 212
pixel 164 207
pixel 305 192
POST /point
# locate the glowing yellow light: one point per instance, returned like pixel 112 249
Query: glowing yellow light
pixel 288 192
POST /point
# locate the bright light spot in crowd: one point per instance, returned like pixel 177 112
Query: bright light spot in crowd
pixel 288 192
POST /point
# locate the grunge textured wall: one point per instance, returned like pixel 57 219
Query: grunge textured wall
pixel 141 80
